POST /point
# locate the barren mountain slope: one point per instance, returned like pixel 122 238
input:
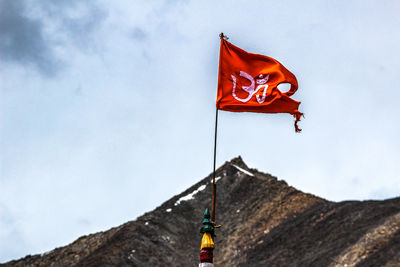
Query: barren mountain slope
pixel 264 222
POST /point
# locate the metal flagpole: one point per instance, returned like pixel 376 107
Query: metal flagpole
pixel 214 185
pixel 207 242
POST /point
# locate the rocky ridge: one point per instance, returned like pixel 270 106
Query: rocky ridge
pixel 264 222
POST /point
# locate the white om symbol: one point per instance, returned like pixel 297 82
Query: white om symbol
pixel 260 80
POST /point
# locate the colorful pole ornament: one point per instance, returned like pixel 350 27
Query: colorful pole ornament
pixel 207 242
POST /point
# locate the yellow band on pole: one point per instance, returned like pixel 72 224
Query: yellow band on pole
pixel 207 241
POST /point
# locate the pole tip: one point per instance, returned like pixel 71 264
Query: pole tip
pixel 207 213
pixel 208 225
pixel 222 36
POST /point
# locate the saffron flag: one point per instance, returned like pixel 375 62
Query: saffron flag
pixel 249 82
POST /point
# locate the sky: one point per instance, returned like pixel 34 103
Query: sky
pixel 107 108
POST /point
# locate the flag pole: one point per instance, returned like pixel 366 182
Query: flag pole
pixel 207 242
pixel 214 185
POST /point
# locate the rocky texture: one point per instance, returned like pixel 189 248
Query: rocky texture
pixel 264 222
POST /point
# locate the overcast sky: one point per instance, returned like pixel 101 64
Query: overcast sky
pixel 107 107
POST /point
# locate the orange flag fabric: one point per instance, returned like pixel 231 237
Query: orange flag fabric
pixel 248 83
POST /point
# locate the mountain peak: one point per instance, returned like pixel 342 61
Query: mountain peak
pixel 238 161
pixel 264 222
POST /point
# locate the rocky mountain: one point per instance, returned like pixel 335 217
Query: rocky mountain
pixel 264 222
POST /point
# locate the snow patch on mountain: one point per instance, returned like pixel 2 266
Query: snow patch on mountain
pixel 216 179
pixel 190 196
pixel 243 170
